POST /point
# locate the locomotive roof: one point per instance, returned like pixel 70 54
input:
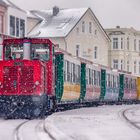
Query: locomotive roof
pixel 22 40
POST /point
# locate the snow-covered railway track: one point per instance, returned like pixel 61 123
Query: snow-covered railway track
pixel 47 132
pixel 16 133
pixel 128 115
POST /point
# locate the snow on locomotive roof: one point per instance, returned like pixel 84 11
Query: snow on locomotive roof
pixel 59 25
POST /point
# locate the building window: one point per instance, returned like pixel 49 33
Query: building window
pixel 77 50
pixel 128 66
pixel 127 43
pixel 83 26
pixel 139 67
pixel 17 27
pixel 12 25
pixel 22 28
pixel 95 52
pixel 115 43
pixel 135 66
pixel 135 45
pixel 139 45
pixel 121 64
pixel 115 64
pixel 90 27
pixel 77 30
pixel 95 32
pixel 1 23
pixel 121 43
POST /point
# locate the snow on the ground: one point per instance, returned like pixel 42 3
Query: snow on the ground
pixel 7 128
pixel 97 123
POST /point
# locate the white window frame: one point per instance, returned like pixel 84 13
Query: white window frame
pixel 115 43
pixel 95 52
pixel 115 63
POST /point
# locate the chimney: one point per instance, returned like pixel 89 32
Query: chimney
pixel 118 27
pixel 55 10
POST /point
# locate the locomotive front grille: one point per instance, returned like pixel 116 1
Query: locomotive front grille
pixel 10 80
pixel 18 80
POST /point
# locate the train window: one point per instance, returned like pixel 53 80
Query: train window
pixel 40 51
pixel 90 77
pixel 65 70
pixel 79 73
pixel 87 76
pixel 117 81
pixel 73 73
pixel 109 82
pixel 106 80
pixel 68 71
pixel 134 83
pixel 99 78
pixel 77 69
pixel 14 51
pixel 126 83
pixel 96 78
pixel 113 81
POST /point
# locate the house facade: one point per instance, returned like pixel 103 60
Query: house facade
pixel 3 11
pixel 77 31
pixel 124 51
pixel 12 19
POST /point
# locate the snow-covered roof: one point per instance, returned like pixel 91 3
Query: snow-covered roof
pixel 3 3
pixel 30 14
pixel 9 3
pixel 59 25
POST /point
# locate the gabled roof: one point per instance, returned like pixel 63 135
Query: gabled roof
pixel 61 24
pixel 10 4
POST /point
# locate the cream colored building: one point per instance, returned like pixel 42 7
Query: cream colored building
pixel 77 31
pixel 12 19
pixel 124 51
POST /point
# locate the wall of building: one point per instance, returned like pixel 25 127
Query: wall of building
pixel 129 55
pixel 87 41
pixel 17 14
pixel 3 13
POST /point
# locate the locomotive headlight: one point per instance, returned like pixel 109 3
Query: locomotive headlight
pixel 37 83
pixel 36 99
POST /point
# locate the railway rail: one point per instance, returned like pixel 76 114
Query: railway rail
pixel 16 133
pixel 134 124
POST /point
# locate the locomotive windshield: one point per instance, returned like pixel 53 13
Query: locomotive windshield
pixel 14 51
pixel 40 51
pixel 37 52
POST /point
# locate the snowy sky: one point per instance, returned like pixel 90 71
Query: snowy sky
pixel 110 13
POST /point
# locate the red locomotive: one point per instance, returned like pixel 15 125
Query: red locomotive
pixel 26 77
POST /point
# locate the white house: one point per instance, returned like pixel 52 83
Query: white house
pixel 77 31
pixel 124 52
pixel 16 18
